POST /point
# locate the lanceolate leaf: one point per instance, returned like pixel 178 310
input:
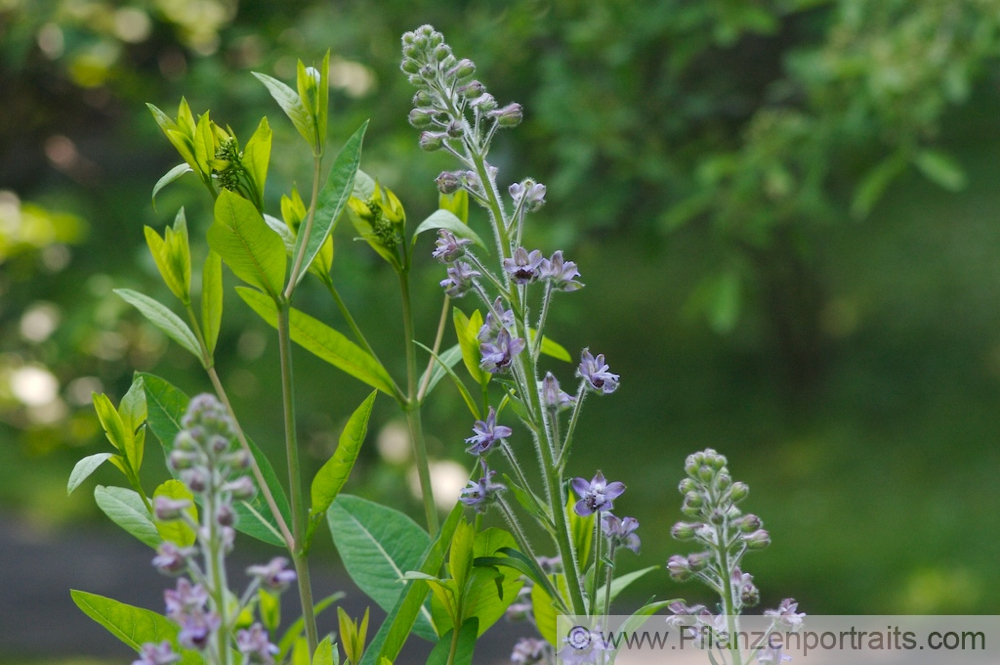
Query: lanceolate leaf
pixel 166 405
pixel 132 625
pixel 111 421
pixel 256 156
pixel 291 104
pixel 469 402
pixel 467 330
pixel 211 300
pixel 333 474
pixel 446 359
pixel 169 177
pixel 125 508
pixel 84 468
pixel 325 342
pixel 247 244
pixel 378 545
pixel 620 582
pixel 162 318
pixel 550 348
pixel 332 198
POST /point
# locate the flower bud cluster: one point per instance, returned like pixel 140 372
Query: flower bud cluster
pixel 213 468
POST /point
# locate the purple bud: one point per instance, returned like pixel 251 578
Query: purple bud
pixel 157 654
pixel 170 559
pixel 552 396
pixel 431 141
pixel 254 644
pixel 167 509
pixel 679 568
pixel 242 489
pixel 448 182
pixel 225 515
pixel 421 118
pixel 472 90
pixel 273 575
pixel 748 523
pixel 484 103
pixel 698 561
pixel 464 68
pixel 455 129
pixel 196 479
pixel 757 540
pixel 508 116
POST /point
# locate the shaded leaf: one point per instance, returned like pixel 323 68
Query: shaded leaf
pixel 292 105
pixel 170 176
pixel 125 508
pixel 444 361
pixel 160 316
pixel 211 300
pixel 256 156
pixel 247 244
pixel 446 219
pixel 84 468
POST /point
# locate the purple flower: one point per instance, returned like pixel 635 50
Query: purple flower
pixel 481 493
pixel 497 319
pixel 595 372
pixel 532 192
pixel 197 628
pixel 170 559
pixel 486 434
pixel 744 588
pixel 560 273
pixel 596 495
pixel 583 646
pixel 528 651
pixel 772 655
pixel 498 355
pixel 156 654
pixel 459 280
pixel 184 599
pixel 552 396
pixel 449 247
pixel 273 576
pixel 523 267
pixel 786 614
pixel 255 644
pixel 621 531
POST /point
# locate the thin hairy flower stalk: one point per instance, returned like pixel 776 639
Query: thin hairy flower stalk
pixel 536 347
pixel 299 514
pixel 598 542
pixel 412 408
pixel 564 451
pixel 512 460
pixel 438 336
pixel 220 392
pixel 474 260
pixel 523 543
pixel 306 229
pixel 609 577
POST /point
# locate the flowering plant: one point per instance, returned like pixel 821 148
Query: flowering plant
pixel 450 581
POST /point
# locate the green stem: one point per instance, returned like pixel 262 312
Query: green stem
pixel 299 514
pixel 598 543
pixel 442 322
pixel 412 408
pixel 351 323
pixel 305 231
pixel 608 579
pixel 722 553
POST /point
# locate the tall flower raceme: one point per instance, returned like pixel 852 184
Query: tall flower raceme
pixel 201 516
pixel 457 114
pixel 724 535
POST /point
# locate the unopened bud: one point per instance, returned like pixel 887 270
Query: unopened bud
pixel 180 459
pixel 409 64
pixel 431 141
pixel 242 488
pixel 757 540
pixel 167 509
pixel 472 90
pixel 706 473
pixel 195 479
pixel 698 561
pixel 448 182
pixel 441 52
pixel 225 515
pixel 738 492
pixel 687 485
pixel 423 99
pixel 420 118
pixel 508 116
pixel 679 568
pixel 749 523
pixel 454 129
pixel 684 530
pixel 750 595
pixel 464 68
pixel 723 481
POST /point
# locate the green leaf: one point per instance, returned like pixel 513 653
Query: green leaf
pixel 247 244
pixel 941 169
pixel 582 531
pixel 166 406
pixel 282 229
pixel 469 402
pixel 620 583
pixel 875 182
pixel 446 219
pixel 269 606
pixel 293 632
pixel 177 532
pixel 364 186
pixel 300 652
pixel 132 625
pixel 544 609
pixel 162 318
pixel 467 331
pixel 447 359
pixel 391 636
pixel 485 599
pixel 211 300
pixel 333 474
pixel 465 645
pixel 132 410
pixel 332 197
pixel 170 176
pixel 84 468
pixel 112 423
pixel 460 557
pixel 527 500
pixel 204 143
pixel 256 156
pixel 323 98
pixel 324 652
pixel 292 105
pixel 550 348
pixel 126 509
pixel 377 545
pixel 325 342
pixel 457 204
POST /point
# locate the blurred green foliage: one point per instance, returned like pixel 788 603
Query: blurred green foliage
pixel 783 170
